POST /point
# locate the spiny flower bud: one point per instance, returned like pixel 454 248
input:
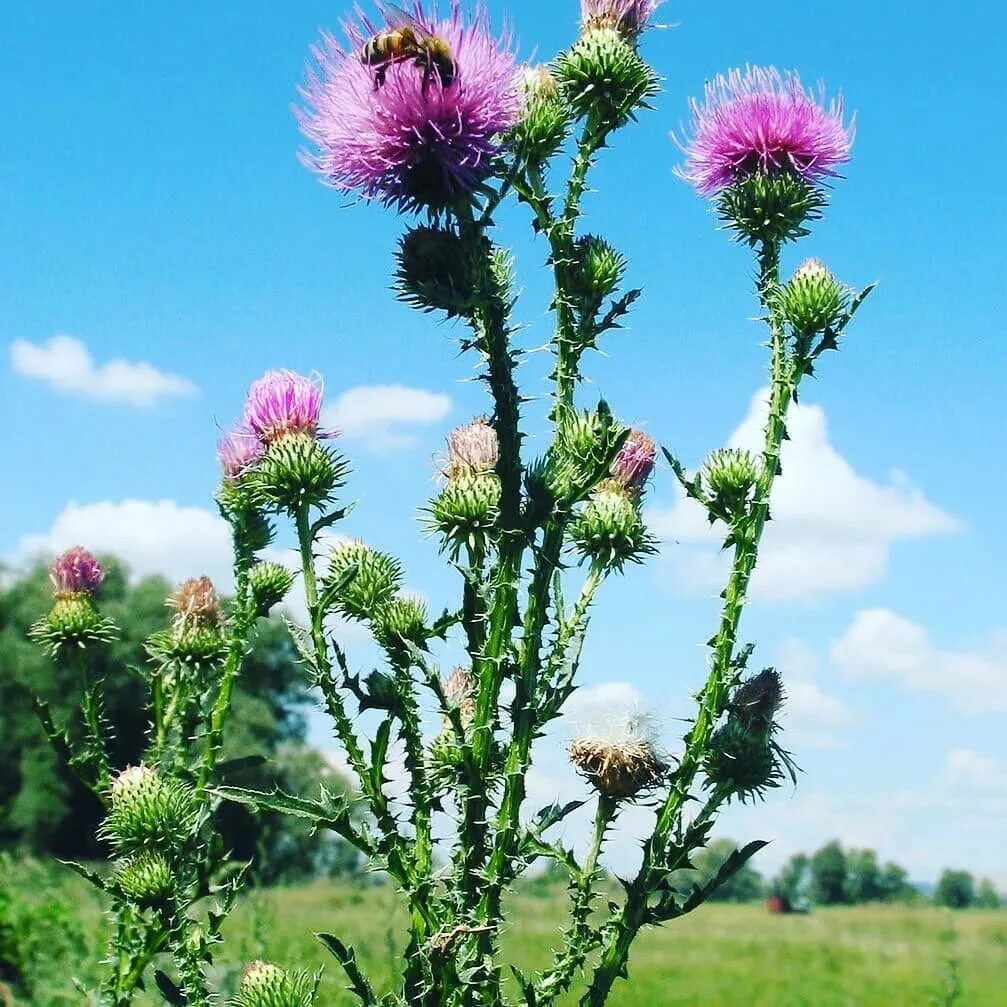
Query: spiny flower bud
pixel 634 461
pixel 757 700
pixel 742 760
pixel 545 117
pixel 265 985
pixel 597 271
pixel 378 576
pixel 620 760
pixel 148 809
pixel 472 449
pixel 74 620
pixel 298 471
pixel 460 693
pixel 730 475
pixel 401 624
pixel 628 17
pixel 603 76
pixel 146 878
pixel 609 529
pixel 270 583
pixel 466 510
pixel 439 270
pixel 196 634
pixel 583 447
pixel 770 208
pixel 813 300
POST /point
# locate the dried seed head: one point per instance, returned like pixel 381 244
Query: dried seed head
pixel 621 760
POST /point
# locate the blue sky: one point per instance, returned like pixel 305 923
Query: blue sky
pixel 155 213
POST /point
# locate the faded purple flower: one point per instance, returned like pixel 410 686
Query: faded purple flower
pixel 762 120
pixel 628 17
pixel 414 132
pixel 238 450
pixel 472 448
pixel 76 571
pixel 634 462
pixel 282 402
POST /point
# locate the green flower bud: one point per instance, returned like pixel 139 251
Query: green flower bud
pixel 602 76
pixel 146 878
pixel 598 269
pixel 742 760
pixel 583 447
pixel 149 810
pixel 466 510
pixel 770 208
pixel 609 529
pixel 378 576
pixel 265 985
pixel 813 300
pixel 439 270
pixel 196 635
pixel 270 583
pixel 545 116
pixel 730 475
pixel 298 471
pixel 73 622
pixel 403 622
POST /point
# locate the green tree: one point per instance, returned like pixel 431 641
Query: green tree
pixel 895 884
pixel 42 807
pixel 829 875
pixel 987 897
pixel 955 889
pixel 745 885
pixel 863 877
pixel 792 881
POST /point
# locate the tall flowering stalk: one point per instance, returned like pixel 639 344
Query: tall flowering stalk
pixel 431 116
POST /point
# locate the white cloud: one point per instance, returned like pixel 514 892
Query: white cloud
pixel 65 364
pixel 832 529
pixel 811 718
pixel 881 644
pixel 376 414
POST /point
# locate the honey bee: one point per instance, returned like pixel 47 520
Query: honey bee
pixel 407 40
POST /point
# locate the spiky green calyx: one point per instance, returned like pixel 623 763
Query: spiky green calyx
pixel 265 985
pixel 270 583
pixel 730 475
pixel 466 511
pixel 597 270
pixel 440 270
pixel 73 622
pixel 742 761
pixel 813 301
pixel 298 471
pixel 584 445
pixel 196 635
pixel 376 577
pixel 609 529
pixel 149 810
pixel 545 116
pixel 603 77
pixel 146 878
pixel 771 208
pixel 401 625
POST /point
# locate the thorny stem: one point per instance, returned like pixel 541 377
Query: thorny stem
pixel 747 535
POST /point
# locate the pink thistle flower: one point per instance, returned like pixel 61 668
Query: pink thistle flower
pixel 762 120
pixel 76 572
pixel 628 17
pixel 282 402
pixel 634 463
pixel 401 133
pixel 239 449
pixel 472 449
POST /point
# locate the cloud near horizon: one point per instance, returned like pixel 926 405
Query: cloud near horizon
pixel 380 415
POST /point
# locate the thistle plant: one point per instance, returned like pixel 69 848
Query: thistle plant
pixel 433 118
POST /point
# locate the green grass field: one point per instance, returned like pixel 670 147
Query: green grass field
pixel 721 956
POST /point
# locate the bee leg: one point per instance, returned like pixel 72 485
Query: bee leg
pixel 379 76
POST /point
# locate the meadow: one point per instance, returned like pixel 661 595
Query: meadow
pixel 721 956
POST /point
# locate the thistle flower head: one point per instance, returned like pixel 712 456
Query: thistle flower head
pixel 146 877
pixel 472 449
pixel 374 577
pixel 609 529
pixel 620 758
pixel 411 133
pixel 814 300
pixel 628 17
pixel 282 403
pixel 266 985
pixel 402 624
pixel 270 583
pixel 460 692
pixel 148 810
pixel 196 605
pixel 238 450
pixel 759 120
pixel 76 572
pixel 634 462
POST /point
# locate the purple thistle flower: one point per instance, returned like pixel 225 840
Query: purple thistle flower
pixel 406 137
pixel 76 571
pixel 628 17
pixel 238 450
pixel 762 120
pixel 282 402
pixel 633 464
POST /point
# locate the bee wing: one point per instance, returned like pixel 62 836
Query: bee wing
pixel 396 17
